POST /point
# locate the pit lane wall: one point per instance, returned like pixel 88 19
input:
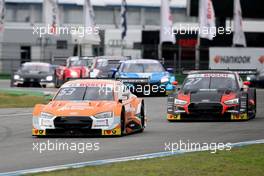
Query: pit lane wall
pixel 236 58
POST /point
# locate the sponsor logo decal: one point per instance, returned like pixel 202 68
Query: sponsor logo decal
pixel 261 59
pixel 116 131
pixel 38 132
pixel 232 59
pixel 217 59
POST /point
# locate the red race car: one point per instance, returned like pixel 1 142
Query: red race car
pixel 76 67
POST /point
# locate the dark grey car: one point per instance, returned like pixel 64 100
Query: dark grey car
pixel 34 74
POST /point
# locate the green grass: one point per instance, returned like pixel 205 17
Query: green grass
pixel 20 100
pixel 180 78
pixel 5 76
pixel 246 161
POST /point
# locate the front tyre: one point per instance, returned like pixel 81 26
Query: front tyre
pixel 252 95
pixel 123 122
pixel 57 82
pixel 142 116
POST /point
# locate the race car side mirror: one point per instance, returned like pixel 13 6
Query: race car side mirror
pixel 123 97
pixel 246 83
pixel 170 70
pixel 114 70
pixel 175 83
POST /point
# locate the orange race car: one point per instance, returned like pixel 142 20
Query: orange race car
pixel 90 107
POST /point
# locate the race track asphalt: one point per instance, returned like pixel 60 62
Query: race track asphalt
pixel 16 142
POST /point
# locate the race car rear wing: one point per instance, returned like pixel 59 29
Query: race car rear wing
pixel 123 80
pixel 239 71
pixel 133 80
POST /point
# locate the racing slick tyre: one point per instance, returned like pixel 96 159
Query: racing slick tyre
pixel 252 108
pixel 57 82
pixel 142 115
pixel 123 122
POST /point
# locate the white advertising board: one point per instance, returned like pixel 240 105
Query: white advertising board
pixel 236 58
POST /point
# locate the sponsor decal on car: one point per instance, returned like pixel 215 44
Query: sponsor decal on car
pixel 115 131
pixel 38 132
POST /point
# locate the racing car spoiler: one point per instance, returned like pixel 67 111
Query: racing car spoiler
pixel 239 71
pixel 126 80
pixel 133 80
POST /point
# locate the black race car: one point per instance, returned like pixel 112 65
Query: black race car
pixel 34 74
pixel 212 95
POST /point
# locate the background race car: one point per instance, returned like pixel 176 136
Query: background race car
pixel 104 65
pixel 217 95
pixel 146 76
pixel 76 67
pixel 256 80
pixel 90 107
pixel 34 74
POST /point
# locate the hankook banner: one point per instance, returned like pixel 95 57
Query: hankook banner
pixel 236 58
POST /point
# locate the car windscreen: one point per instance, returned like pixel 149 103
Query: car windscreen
pixel 85 94
pixel 142 67
pixel 79 63
pixel 107 65
pixel 36 68
pixel 212 82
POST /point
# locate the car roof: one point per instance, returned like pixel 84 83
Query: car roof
pixel 112 57
pixel 37 63
pixel 87 58
pixel 211 71
pixel 142 61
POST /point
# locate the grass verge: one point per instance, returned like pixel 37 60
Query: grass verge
pixel 246 161
pixel 5 76
pixel 180 78
pixel 19 100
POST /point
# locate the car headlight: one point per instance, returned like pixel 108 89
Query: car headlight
pixel 179 102
pixel 232 102
pixel 104 115
pixel 94 73
pixel 74 74
pixel 164 79
pixel 49 78
pixel 16 77
pixel 45 115
pixel 248 78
